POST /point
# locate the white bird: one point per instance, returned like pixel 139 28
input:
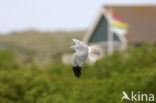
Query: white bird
pixel 81 53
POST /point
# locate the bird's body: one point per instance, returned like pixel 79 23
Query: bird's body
pixel 81 53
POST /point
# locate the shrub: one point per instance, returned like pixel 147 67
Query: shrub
pixel 103 82
pixel 7 59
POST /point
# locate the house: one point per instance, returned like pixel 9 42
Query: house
pixel 141 27
pixel 101 33
pixel 141 21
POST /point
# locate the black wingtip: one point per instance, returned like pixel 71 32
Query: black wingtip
pixel 77 71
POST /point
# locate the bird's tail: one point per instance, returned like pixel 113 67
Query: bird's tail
pixel 77 71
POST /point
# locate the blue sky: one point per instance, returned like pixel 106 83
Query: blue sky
pixel 52 15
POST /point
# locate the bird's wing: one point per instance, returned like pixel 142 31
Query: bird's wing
pixel 80 45
pixel 80 54
pixel 95 53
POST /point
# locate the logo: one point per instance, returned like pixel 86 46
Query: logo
pixel 137 96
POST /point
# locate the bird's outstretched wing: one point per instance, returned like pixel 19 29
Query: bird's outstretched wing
pixel 80 55
pixel 95 53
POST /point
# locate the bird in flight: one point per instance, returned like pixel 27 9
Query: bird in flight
pixel 82 51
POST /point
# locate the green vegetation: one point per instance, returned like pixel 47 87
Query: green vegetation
pixel 103 82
